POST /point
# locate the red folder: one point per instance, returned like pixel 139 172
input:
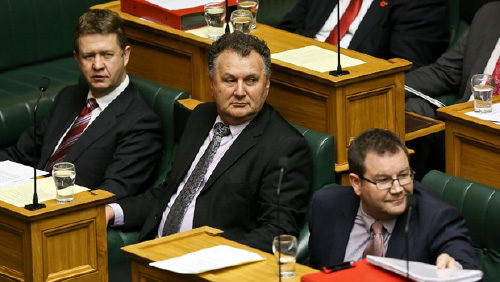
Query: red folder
pixel 183 19
pixel 362 271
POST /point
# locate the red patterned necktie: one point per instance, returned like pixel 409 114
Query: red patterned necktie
pixel 347 18
pixel 496 76
pixel 376 245
pixel 73 134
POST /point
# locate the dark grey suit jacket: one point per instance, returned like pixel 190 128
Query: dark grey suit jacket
pixel 118 152
pixel 415 30
pixel 435 227
pixel 452 72
pixel 240 195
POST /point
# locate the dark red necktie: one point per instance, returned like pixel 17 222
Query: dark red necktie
pixel 496 76
pixel 73 134
pixel 350 14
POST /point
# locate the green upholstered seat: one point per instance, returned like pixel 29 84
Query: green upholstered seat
pixel 480 206
pixel 272 11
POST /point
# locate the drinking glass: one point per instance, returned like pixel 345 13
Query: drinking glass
pixel 482 86
pixel 285 250
pixel 215 15
pixel 252 6
pixel 241 20
pixel 64 177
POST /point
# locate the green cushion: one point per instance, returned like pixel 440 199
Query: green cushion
pixel 272 11
pixel 480 206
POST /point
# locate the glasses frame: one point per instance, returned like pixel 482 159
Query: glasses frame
pixel 376 183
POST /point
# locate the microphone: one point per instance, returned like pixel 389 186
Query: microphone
pixel 339 71
pixel 43 86
pixel 228 30
pixel 411 203
pixel 283 163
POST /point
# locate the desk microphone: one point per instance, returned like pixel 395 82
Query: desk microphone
pixel 283 163
pixel 228 29
pixel 44 84
pixel 339 71
pixel 411 203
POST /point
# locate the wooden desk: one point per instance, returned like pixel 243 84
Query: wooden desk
pixel 190 241
pixel 472 145
pixel 58 243
pixel 372 95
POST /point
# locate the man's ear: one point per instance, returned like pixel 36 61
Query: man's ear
pixel 355 183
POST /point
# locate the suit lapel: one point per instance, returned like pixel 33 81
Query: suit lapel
pixel 106 120
pixel 372 20
pixel 397 243
pixel 64 115
pixel 342 227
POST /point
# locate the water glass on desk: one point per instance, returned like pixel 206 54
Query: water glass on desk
pixel 285 250
pixel 482 86
pixel 252 6
pixel 241 20
pixel 64 177
pixel 215 16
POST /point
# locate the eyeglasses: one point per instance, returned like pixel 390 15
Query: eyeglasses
pixel 384 184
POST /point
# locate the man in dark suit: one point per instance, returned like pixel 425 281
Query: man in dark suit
pixel 415 30
pixel 118 149
pixel 238 191
pixel 342 218
pixel 477 52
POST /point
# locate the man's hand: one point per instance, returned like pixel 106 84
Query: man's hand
pixel 445 261
pixel 110 215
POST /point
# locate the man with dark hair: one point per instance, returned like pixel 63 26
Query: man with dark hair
pixel 348 223
pixel 227 167
pixel 415 30
pixel 105 128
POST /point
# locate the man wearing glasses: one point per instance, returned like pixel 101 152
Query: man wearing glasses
pixel 348 223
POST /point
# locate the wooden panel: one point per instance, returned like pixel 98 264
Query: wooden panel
pixel 12 252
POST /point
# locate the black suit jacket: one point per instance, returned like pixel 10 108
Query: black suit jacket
pixel 240 195
pixel 415 30
pixel 435 227
pixel 118 152
pixel 452 72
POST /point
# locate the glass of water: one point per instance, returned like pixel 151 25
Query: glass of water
pixel 252 6
pixel 241 20
pixel 215 15
pixel 482 86
pixel 285 250
pixel 64 177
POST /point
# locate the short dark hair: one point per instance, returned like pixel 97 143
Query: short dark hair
pixel 100 21
pixel 242 44
pixel 377 140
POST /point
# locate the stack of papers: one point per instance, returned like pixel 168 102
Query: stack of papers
pixel 426 272
pixel 494 116
pixel 179 4
pixel 12 173
pixel 208 259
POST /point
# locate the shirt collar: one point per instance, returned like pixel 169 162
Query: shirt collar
pixel 235 129
pixel 105 100
pixel 368 221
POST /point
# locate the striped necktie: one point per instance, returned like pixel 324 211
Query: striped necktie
pixel 376 245
pixel 496 76
pixel 73 134
pixel 347 18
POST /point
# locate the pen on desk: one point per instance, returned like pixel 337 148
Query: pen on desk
pixel 337 267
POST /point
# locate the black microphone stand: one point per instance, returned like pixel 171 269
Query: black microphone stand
pixel 228 30
pixel 44 83
pixel 339 71
pixel 279 223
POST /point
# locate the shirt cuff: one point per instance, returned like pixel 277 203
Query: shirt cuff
pixel 119 218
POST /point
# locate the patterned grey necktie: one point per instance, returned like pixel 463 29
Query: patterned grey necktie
pixel 193 184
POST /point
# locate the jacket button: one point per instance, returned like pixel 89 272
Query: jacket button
pixel 157 217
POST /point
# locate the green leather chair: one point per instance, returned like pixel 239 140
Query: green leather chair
pixel 272 11
pixel 480 206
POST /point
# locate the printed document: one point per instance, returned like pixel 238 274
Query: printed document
pixel 12 173
pixel 494 116
pixel 208 259
pixel 315 58
pixel 420 271
pixel 179 4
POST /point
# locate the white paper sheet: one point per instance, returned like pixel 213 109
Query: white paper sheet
pixel 180 4
pixel 426 272
pixel 494 116
pixel 22 194
pixel 315 58
pixel 208 259
pixel 12 173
